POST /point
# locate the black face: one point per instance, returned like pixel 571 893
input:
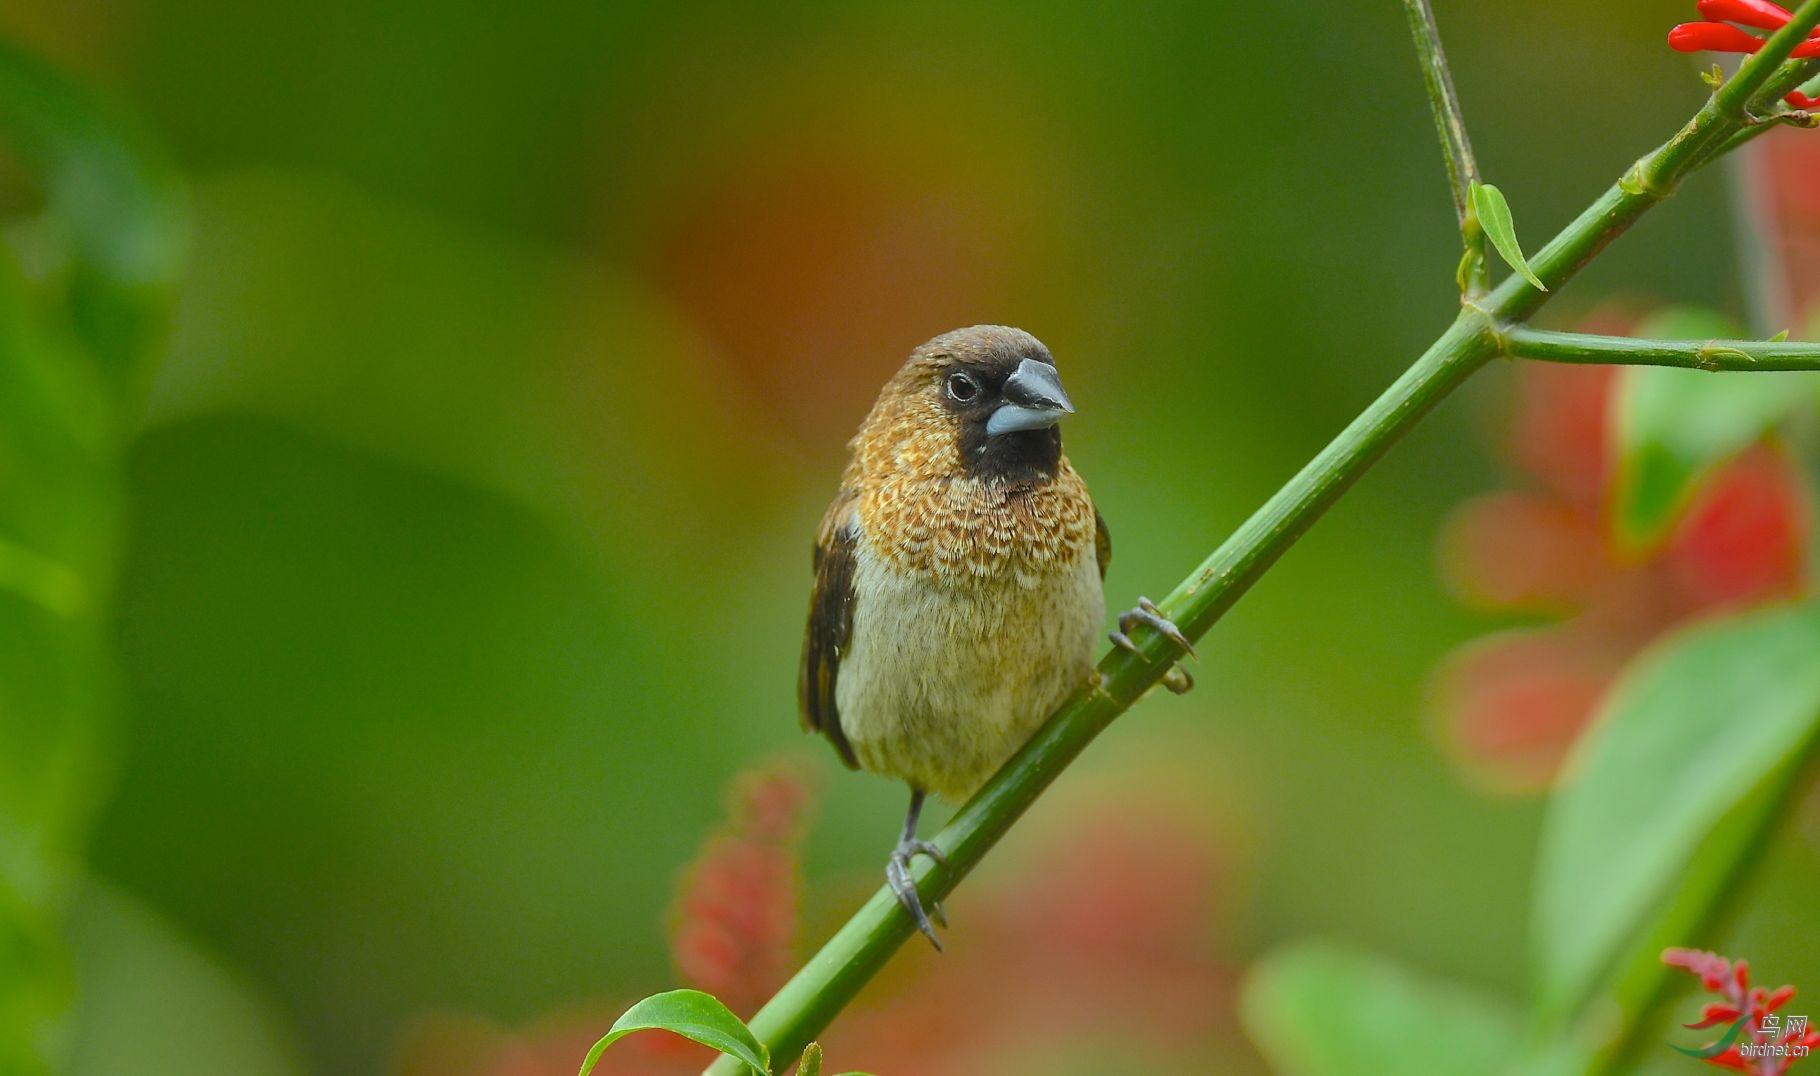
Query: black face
pixel 972 391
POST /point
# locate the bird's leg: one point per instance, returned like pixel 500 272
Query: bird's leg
pixel 1146 613
pixel 897 872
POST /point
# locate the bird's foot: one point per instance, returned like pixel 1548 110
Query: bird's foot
pixel 1148 614
pixel 903 886
pixel 1176 679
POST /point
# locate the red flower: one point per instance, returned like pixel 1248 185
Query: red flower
pixel 1757 13
pixel 1512 703
pixel 1714 35
pixel 735 917
pixel 1765 1034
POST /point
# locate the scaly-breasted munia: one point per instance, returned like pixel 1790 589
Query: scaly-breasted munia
pixel 957 591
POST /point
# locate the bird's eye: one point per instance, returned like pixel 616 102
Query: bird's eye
pixel 962 387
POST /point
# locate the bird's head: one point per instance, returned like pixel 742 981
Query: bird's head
pixel 985 399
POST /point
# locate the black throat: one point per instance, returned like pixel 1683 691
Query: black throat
pixel 1025 456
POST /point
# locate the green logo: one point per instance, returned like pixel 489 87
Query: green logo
pixel 1717 1048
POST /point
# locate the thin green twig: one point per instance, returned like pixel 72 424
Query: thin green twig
pixel 1764 355
pixel 1764 125
pixel 1456 148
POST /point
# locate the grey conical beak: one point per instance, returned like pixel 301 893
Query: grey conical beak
pixel 1034 400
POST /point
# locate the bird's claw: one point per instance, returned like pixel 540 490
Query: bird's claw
pixel 1149 615
pixel 1176 679
pixel 903 886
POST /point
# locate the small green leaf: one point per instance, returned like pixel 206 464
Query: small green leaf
pixel 1673 426
pixel 811 1064
pixel 1684 763
pixel 1324 1009
pixel 1779 337
pixel 693 1015
pixel 1493 211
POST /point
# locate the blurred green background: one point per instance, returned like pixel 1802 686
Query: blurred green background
pixel 469 515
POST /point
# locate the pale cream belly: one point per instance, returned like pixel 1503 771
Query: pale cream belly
pixel 940 683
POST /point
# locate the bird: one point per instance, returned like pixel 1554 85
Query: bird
pixel 958 579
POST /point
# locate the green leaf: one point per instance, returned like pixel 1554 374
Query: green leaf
pixel 1664 797
pixel 693 1015
pixel 58 510
pixel 75 334
pixel 145 984
pixel 117 203
pixel 1493 211
pixel 1323 1009
pixel 1675 426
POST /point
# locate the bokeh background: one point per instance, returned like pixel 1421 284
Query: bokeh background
pixel 469 512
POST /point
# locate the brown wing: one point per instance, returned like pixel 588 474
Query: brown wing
pixel 1102 541
pixel 830 625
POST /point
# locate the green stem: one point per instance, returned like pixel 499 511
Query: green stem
pixel 831 978
pixel 1526 343
pixel 1456 148
pixel 1764 125
pixel 1764 111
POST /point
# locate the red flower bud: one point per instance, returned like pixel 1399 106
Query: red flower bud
pixel 1712 37
pixel 1759 13
pixel 1715 1014
pixel 1807 50
pixel 1797 99
pixel 1712 968
pixel 1779 998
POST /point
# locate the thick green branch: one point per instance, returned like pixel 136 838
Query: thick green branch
pixel 849 959
pixel 1456 148
pixel 1525 343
